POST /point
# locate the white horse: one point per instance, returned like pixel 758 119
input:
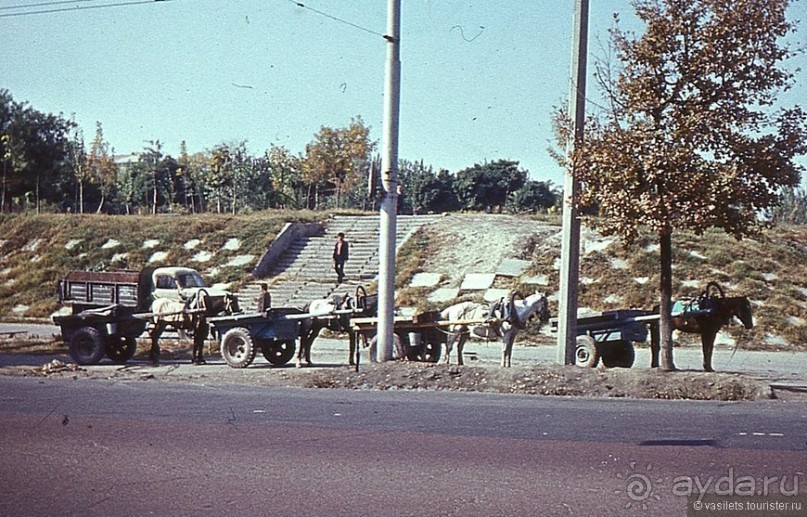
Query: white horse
pixel 188 317
pixel 362 305
pixel 501 320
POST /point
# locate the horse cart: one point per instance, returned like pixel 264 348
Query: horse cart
pixel 418 338
pixel 273 332
pixel 609 336
pixel 422 337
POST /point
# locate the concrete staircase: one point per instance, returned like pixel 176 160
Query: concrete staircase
pixel 304 271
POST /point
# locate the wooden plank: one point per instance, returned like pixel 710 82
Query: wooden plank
pixel 365 324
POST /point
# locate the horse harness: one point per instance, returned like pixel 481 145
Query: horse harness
pixel 504 310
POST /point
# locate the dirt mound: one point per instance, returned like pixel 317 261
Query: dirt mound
pixel 546 380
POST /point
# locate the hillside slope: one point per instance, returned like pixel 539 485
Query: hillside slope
pixel 771 269
pixel 36 251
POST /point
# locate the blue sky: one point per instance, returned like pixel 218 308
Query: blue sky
pixel 479 79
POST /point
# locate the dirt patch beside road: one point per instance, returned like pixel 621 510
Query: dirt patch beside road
pixel 547 380
pixel 539 379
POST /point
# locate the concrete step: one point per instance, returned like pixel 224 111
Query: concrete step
pixel 304 272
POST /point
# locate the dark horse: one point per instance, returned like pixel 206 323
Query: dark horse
pixel 335 315
pixel 706 315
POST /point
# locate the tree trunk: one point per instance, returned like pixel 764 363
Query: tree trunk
pixel 154 199
pixel 665 305
pixel 81 197
pixel 101 203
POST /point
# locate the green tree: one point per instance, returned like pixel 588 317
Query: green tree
pixel 336 160
pixel 77 157
pixel 792 209
pixel 285 172
pixel 487 186
pixel 152 158
pixel 692 139
pixel 35 148
pixel 220 174
pixel 100 168
pixel 532 197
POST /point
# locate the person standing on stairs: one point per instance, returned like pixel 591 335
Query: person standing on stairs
pixel 264 298
pixel 340 256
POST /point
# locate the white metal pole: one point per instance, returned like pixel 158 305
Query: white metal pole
pixel 389 181
pixel 570 247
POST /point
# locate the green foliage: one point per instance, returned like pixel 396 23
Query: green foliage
pixel 534 196
pixel 34 149
pixel 487 186
pixel 792 208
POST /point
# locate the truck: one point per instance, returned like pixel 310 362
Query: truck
pixel 110 309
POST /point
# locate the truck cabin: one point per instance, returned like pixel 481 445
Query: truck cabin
pixel 181 283
pixel 168 281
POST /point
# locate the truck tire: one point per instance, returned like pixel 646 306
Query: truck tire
pixel 278 352
pixel 121 348
pixel 237 348
pixel 586 353
pixel 87 346
pixel 620 354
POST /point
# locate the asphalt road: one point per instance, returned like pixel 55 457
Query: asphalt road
pixel 98 447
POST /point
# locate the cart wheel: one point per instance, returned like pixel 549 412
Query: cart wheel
pixel 398 351
pixel 585 353
pixel 278 352
pixel 87 346
pixel 619 355
pixel 237 348
pixel 121 348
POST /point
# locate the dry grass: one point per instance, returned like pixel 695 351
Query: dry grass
pixel 770 269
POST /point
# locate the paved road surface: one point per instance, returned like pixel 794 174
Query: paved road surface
pixel 97 447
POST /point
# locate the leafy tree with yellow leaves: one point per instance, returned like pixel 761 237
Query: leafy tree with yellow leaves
pixel 693 137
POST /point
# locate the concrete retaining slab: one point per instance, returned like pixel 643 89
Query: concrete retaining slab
pixel 444 294
pixel 425 280
pixel 477 281
pixel 512 267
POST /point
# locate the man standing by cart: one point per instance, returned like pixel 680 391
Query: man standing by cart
pixel 340 256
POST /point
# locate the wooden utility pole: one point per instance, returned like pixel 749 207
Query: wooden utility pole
pixel 570 248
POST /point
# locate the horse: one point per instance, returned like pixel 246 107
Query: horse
pixel 706 315
pixel 361 305
pixel 189 317
pixel 504 319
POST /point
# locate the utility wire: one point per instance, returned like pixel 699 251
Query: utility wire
pixel 339 20
pixel 43 4
pixel 76 8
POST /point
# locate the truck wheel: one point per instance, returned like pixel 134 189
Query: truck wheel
pixel 586 353
pixel 619 355
pixel 121 348
pixel 87 346
pixel 278 352
pixel 237 347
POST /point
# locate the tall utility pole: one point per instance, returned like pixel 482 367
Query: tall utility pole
pixel 389 180
pixel 570 248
